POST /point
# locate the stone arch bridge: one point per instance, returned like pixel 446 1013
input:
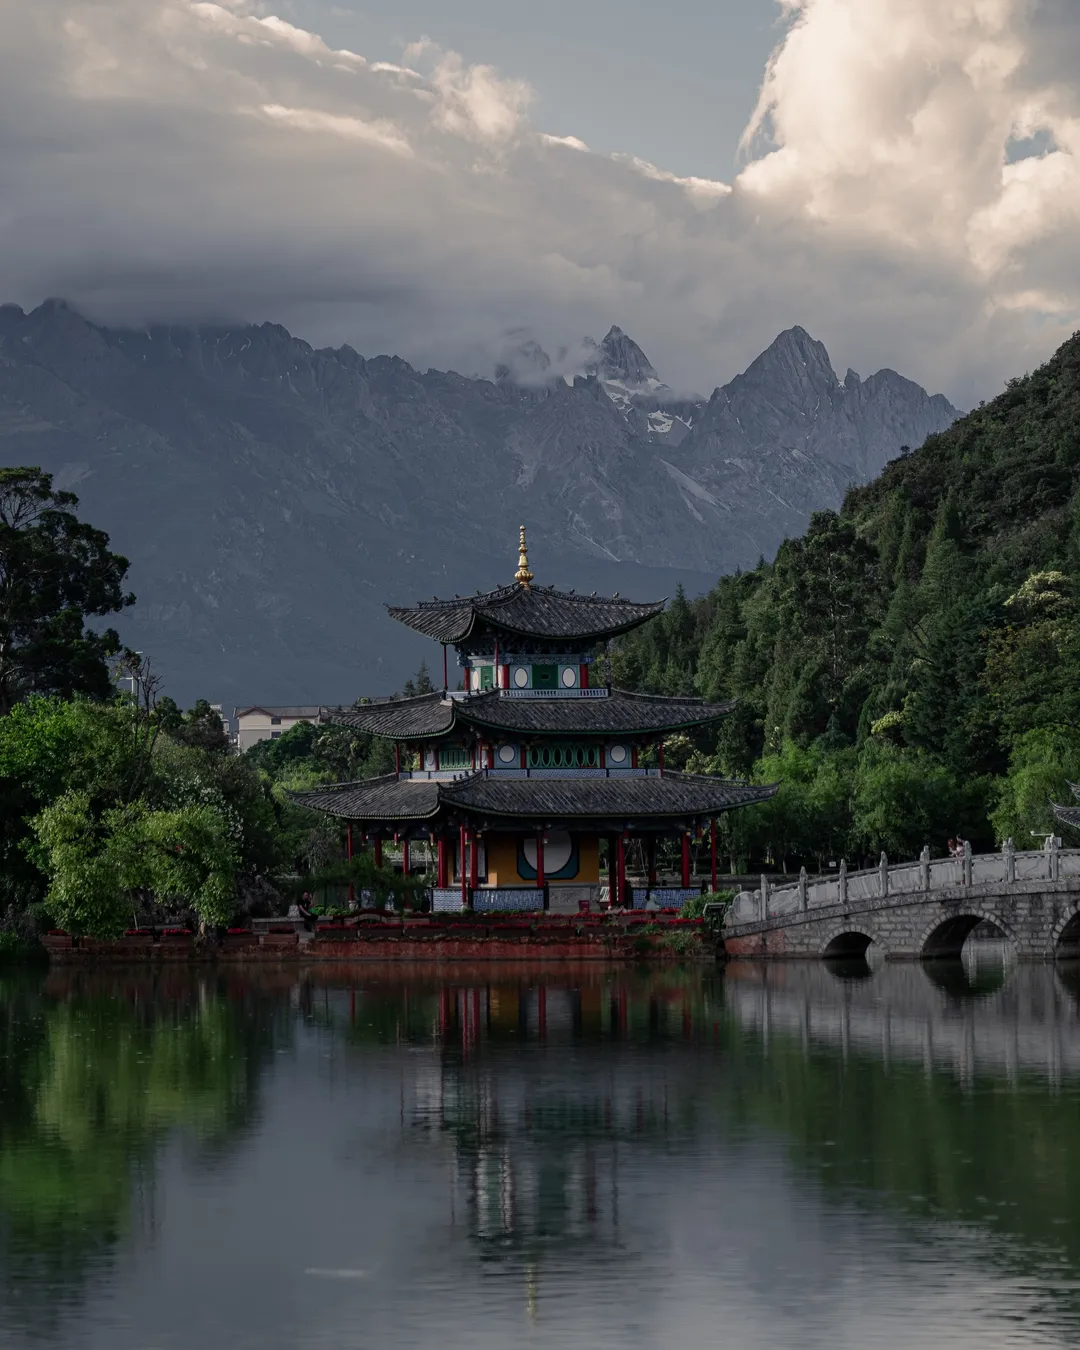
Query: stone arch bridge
pixel 916 910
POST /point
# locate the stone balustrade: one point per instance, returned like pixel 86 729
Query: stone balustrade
pixel 1052 863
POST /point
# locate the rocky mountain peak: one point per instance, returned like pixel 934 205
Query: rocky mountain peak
pixel 264 489
pixel 794 355
pixel 523 363
pixel 618 359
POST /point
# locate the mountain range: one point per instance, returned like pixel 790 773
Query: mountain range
pixel 272 496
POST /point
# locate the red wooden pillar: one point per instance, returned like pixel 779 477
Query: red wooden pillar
pixel 442 882
pixel 620 869
pixel 474 860
pixel 405 857
pixel 686 859
pixel 397 757
pixel 540 860
pixel 378 850
pixel 445 683
pixel 464 873
pixel 712 852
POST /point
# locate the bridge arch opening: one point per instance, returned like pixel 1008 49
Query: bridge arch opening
pixel 960 935
pixel 1067 946
pixel 848 946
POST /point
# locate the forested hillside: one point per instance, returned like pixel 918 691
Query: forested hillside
pixel 910 667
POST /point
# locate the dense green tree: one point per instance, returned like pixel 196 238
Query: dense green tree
pixel 92 791
pixel 929 628
pixel 1043 762
pixel 55 572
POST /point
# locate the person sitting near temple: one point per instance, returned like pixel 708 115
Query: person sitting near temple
pixel 306 912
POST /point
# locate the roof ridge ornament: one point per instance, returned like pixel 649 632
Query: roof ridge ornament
pixel 523 576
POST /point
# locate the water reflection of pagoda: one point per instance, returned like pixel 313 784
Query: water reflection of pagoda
pixel 519 778
pixel 539 1141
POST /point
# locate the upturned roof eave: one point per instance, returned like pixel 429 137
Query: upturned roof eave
pixel 707 715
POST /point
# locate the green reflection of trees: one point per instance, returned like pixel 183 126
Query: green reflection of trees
pixel 93 1079
pixel 992 1154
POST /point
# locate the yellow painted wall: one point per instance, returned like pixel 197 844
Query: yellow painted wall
pixel 502 860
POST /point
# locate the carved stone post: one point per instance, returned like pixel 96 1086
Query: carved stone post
pixel 924 868
pixel 967 862
pixel 1055 858
pixel 843 881
pixel 802 889
pixel 1009 850
pixel 764 896
pixel 883 873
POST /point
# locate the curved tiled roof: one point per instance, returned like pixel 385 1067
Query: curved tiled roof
pixel 619 712
pixel 432 715
pixel 1069 815
pixel 385 798
pixel 674 796
pixel 402 718
pixel 526 611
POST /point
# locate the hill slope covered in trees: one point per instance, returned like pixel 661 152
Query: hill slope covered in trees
pixel 910 667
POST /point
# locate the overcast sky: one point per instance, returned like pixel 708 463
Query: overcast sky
pixel 901 177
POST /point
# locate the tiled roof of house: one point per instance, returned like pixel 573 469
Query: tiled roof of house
pixel 312 710
pixel 526 611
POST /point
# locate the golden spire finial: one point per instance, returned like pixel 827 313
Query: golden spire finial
pixel 523 576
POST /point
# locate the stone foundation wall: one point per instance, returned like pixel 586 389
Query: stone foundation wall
pixel 275 948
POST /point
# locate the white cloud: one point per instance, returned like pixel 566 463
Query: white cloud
pixel 891 119
pixel 472 101
pixel 163 158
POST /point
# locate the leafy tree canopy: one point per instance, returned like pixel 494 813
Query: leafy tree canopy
pixel 55 572
pixel 909 668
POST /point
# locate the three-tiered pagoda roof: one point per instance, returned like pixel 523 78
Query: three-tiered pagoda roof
pixel 537 759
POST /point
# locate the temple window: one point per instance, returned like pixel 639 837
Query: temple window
pixel 545 677
pixel 556 756
pixel 454 757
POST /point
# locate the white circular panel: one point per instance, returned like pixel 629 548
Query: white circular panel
pixel 569 676
pixel 507 754
pixel 521 676
pixel 618 754
pixel 557 850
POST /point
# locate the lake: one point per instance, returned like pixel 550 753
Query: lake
pixel 752 1157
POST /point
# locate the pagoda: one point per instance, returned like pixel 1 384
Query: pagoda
pixel 519 777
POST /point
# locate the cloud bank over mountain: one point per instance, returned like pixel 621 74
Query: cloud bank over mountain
pixel 909 189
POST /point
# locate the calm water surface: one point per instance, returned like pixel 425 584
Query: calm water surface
pixel 762 1157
